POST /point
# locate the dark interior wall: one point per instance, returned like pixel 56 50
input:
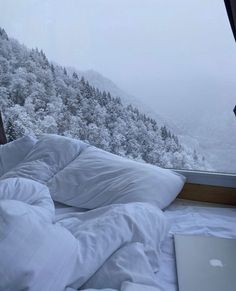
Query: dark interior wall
pixel 3 138
pixel 231 10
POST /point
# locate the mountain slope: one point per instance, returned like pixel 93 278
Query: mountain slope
pixel 40 97
pixel 105 84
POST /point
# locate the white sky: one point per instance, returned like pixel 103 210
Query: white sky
pixel 177 56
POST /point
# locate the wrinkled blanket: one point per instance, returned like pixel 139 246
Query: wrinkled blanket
pixel 114 247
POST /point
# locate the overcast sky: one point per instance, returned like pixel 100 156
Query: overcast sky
pixel 177 56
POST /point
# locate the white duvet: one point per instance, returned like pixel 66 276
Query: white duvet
pixel 114 247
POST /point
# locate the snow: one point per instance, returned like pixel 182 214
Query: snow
pixel 42 97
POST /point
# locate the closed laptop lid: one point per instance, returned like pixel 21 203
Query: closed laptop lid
pixel 205 263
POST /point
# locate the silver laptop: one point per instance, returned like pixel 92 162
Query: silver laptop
pixel 205 263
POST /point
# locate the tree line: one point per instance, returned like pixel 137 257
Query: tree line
pixel 37 96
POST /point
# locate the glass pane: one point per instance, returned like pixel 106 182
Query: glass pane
pixel 148 79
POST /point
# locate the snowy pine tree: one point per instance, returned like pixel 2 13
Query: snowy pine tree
pixel 37 97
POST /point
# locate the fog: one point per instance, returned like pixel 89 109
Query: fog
pixel 179 57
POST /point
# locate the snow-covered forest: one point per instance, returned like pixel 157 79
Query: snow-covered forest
pixel 37 96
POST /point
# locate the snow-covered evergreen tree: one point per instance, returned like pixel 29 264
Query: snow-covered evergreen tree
pixel 37 97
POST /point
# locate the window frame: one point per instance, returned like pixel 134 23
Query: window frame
pixel 209 178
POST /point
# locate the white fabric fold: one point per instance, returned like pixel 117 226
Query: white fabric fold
pixel 40 252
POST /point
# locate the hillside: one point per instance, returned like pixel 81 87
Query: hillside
pixel 97 80
pixel 37 96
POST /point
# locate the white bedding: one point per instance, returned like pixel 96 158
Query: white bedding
pixel 186 217
pixel 192 218
pixel 117 244
pixel 113 247
pixel 133 232
pixel 81 175
pixel 110 247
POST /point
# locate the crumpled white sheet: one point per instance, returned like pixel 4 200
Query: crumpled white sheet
pixel 198 218
pixel 118 243
pixel 115 246
pixel 186 217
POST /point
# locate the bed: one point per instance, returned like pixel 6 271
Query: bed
pixel 87 222
pixel 185 217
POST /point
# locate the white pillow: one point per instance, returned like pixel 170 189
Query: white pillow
pixel 97 178
pixel 51 154
pixel 86 177
pixel 14 152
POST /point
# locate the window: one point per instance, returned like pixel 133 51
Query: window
pixel 149 79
